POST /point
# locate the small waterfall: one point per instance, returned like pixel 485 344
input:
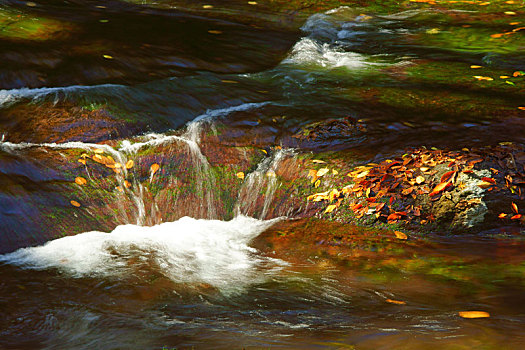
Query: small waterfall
pixel 262 180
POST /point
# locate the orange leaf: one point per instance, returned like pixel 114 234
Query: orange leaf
pixel 514 207
pixel 80 181
pixel 75 203
pixel 439 188
pixel 474 314
pixel 516 217
pixel 502 215
pixel 154 168
pixel 240 175
pixel 400 235
pixel 397 302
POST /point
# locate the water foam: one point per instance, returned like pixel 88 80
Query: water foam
pixel 186 251
pixel 8 97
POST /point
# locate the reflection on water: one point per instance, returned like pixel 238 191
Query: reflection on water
pixel 132 73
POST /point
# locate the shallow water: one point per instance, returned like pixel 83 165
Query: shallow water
pixel 78 73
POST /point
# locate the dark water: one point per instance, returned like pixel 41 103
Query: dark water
pixel 363 82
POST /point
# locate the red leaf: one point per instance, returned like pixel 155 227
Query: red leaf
pixel 489 179
pixel 516 217
pixel 447 176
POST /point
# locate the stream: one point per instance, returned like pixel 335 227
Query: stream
pixel 179 237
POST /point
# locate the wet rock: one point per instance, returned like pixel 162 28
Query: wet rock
pixel 47 123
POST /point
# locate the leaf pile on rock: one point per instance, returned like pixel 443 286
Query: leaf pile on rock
pixel 405 189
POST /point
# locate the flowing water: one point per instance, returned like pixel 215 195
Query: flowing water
pixel 183 257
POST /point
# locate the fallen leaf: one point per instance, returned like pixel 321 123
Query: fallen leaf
pixel 510 13
pixel 214 32
pixel 318 161
pixel 75 203
pixel 447 176
pixel 98 150
pixel 397 302
pixel 317 183
pixel 330 208
pixel 483 78
pixel 127 183
pixel 400 235
pixel 439 188
pixel 80 181
pixel 240 175
pixel 108 57
pixel 129 164
pixel 322 172
pixel 502 215
pixel 154 168
pixel 489 179
pixel 420 179
pixel 475 66
pixel 335 172
pixel 252 2
pixel 514 207
pixel 522 108
pixel 83 161
pixel 516 217
pixel 474 314
pixel 207 6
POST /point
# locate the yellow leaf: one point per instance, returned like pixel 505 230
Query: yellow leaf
pixel 129 164
pixel 98 158
pixel 263 150
pixel 521 108
pixel 335 172
pixel 80 181
pixel 479 77
pixel 397 302
pixel 98 150
pixel 154 168
pixel 317 183
pixel 127 183
pixel 475 66
pixel 252 2
pixel 330 208
pixel 318 161
pixel 510 13
pixel 317 197
pixel 322 172
pixel 474 314
pixel 420 179
pixel 240 175
pixel 108 57
pixel 83 161
pixel 270 173
pixel 117 165
pixel 75 203
pixel 400 235
pixel 207 6
pixel 504 77
pixel 334 194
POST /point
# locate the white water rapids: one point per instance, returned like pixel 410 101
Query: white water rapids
pixel 188 250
